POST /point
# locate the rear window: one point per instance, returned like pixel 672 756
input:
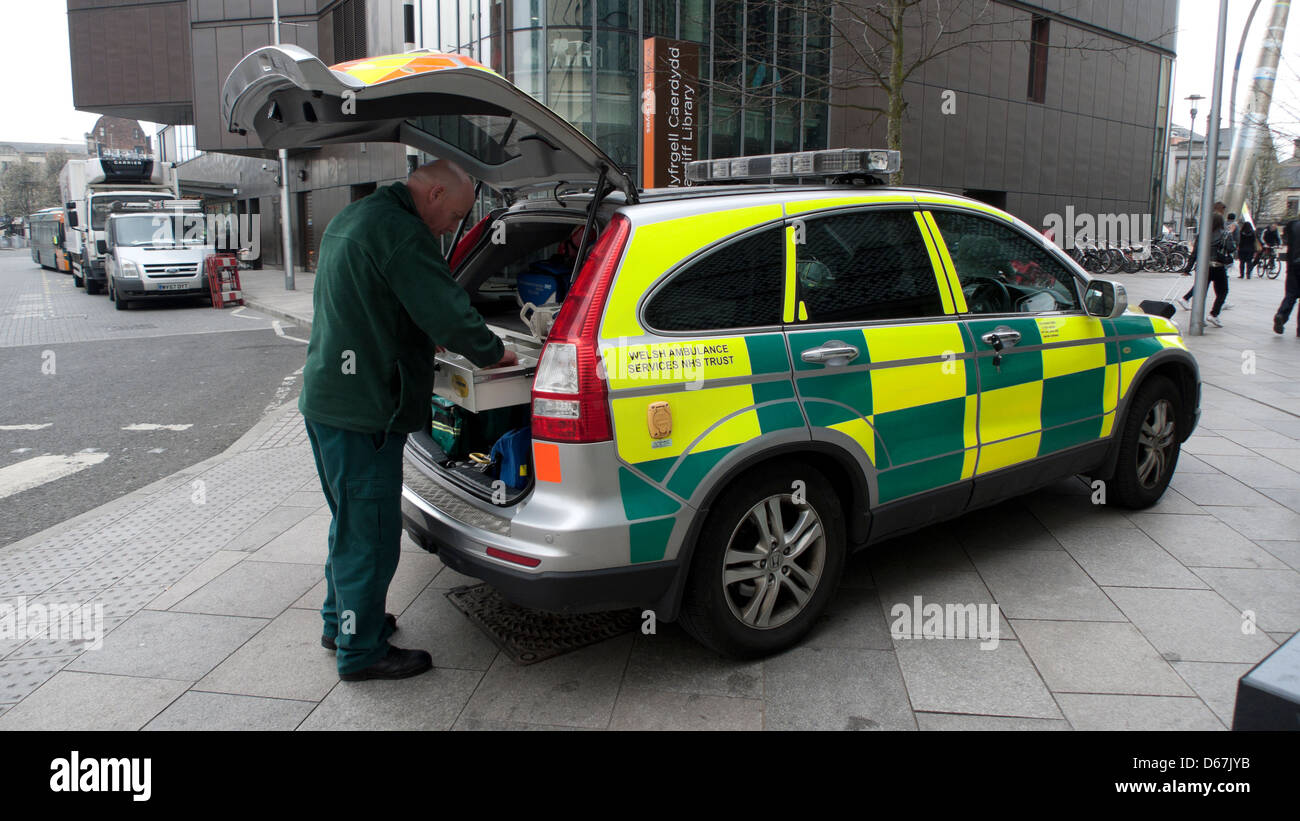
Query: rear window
pixel 737 285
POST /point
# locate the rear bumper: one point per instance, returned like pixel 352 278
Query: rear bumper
pixel 463 547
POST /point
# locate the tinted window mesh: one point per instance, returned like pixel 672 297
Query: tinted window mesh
pixel 866 266
pixel 1003 271
pixel 736 286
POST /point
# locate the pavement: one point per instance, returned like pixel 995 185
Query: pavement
pixel 211 578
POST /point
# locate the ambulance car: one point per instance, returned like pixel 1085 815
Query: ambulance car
pixel 745 381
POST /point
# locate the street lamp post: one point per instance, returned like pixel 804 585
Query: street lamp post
pixel 286 234
pixel 1191 140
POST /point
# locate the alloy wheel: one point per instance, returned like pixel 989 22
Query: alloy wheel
pixel 773 562
pixel 1155 441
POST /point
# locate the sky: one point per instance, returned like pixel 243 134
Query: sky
pixel 34 42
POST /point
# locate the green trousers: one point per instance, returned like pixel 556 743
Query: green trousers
pixel 361 474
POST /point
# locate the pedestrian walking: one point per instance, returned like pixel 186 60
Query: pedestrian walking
pixel 1246 249
pixel 1221 255
pixel 1291 235
pixel 383 301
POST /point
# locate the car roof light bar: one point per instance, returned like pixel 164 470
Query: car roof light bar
pixel 832 162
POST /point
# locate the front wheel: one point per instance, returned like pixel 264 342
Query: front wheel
pixel 1148 447
pixel 767 562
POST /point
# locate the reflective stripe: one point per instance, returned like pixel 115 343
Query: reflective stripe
pixel 945 292
pixel 954 282
pixel 787 311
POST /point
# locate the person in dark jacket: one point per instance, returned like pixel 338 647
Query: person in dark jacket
pixel 383 301
pixel 1291 238
pixel 1246 248
pixel 1221 249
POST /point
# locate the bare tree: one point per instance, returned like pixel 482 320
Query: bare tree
pixel 21 188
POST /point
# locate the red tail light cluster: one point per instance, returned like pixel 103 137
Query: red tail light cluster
pixel 570 395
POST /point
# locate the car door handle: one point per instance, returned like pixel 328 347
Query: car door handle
pixel 1000 338
pixel 834 353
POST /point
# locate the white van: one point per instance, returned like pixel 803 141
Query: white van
pixel 156 253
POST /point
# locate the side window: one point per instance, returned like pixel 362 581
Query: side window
pixel 866 265
pixel 735 286
pixel 1001 270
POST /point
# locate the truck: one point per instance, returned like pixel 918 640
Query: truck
pixel 92 189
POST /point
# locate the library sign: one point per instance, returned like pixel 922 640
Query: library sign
pixel 670 100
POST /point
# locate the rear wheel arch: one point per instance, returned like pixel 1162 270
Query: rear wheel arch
pixel 838 467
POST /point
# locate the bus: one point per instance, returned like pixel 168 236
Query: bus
pixel 45 229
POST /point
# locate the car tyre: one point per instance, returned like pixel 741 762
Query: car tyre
pixel 748 608
pixel 1148 447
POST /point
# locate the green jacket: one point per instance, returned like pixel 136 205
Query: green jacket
pixel 383 298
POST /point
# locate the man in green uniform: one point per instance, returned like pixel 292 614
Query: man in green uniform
pixel 383 301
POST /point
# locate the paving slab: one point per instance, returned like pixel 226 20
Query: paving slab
pixel 429 701
pixel 1191 625
pixel 206 571
pixel 807 688
pixel 956 722
pixel 1043 584
pixel 576 689
pixel 945 676
pixel 1127 558
pixel 304 542
pixel 1214 489
pixel 1265 521
pixel 1257 471
pixel 273 524
pixel 1200 542
pixel 169 645
pixel 259 589
pixel 1272 595
pixel 92 701
pixel 1287 551
pixel 671 661
pixel 284 660
pixel 638 709
pixel 1086 711
pixel 195 711
pixel 1097 657
pixel 1215 683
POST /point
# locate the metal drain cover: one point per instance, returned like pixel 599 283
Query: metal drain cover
pixel 530 636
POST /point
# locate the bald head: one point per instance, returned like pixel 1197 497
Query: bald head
pixel 443 195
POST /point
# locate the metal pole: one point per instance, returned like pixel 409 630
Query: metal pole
pixel 408 44
pixel 286 226
pixel 1211 173
pixel 1236 66
pixel 1187 172
pixel 1248 140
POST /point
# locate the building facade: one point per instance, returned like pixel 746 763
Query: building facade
pixel 1057 102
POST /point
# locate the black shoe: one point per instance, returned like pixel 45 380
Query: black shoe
pixel 1279 326
pixel 329 643
pixel 398 663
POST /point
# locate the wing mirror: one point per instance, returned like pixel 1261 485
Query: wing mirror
pixel 1105 298
pixel 71 208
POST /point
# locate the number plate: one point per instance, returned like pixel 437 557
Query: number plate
pixel 173 286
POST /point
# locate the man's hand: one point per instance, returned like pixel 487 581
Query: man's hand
pixel 507 358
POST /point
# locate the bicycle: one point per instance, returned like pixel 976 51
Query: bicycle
pixel 1267 264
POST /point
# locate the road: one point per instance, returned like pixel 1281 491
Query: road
pixel 96 402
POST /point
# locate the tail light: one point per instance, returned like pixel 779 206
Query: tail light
pixel 570 397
